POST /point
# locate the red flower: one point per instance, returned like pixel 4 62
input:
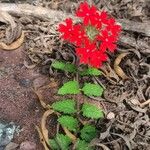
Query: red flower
pixel 77 35
pixel 99 19
pixel 66 29
pixel 84 53
pixel 107 41
pixel 97 58
pixel 72 33
pixel 86 12
pixel 113 27
pixel 89 54
pixel 93 36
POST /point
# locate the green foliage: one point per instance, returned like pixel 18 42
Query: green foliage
pixel 71 87
pixel 92 111
pixel 64 66
pixel 82 145
pixel 88 132
pixel 54 145
pixel 92 89
pixel 63 141
pixel 68 122
pixel 60 142
pixel 58 65
pixel 70 68
pixel 66 106
pixel 91 72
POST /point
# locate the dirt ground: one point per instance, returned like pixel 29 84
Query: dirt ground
pixel 18 103
pixel 28 68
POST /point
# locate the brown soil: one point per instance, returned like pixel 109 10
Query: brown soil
pixel 18 103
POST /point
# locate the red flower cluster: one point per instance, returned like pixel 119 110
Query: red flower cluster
pixel 93 36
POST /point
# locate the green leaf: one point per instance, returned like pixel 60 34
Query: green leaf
pixel 91 72
pixel 54 145
pixel 88 132
pixel 70 68
pixel 63 141
pixel 60 142
pixel 71 87
pixel 64 66
pixel 92 111
pixel 58 65
pixel 82 145
pixel 66 106
pixel 68 122
pixel 92 89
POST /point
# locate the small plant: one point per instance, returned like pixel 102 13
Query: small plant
pixel 68 118
pixel 76 132
pixel 92 37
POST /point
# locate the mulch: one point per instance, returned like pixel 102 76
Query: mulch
pixel 29 67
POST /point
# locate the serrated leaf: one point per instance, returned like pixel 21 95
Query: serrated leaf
pixel 92 89
pixel 82 145
pixel 91 72
pixel 58 65
pixel 60 142
pixel 88 132
pixel 63 141
pixel 64 66
pixel 54 145
pixel 68 122
pixel 92 111
pixel 71 87
pixel 70 68
pixel 66 106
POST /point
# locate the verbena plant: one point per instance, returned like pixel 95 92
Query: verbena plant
pixel 93 36
pixel 70 117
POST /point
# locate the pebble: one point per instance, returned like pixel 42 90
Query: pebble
pixel 25 82
pixel 110 115
pixel 28 145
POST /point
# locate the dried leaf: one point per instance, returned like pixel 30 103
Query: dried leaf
pixel 117 68
pixel 43 104
pixel 70 135
pixel 125 139
pixel 42 138
pixel 16 44
pixel 43 125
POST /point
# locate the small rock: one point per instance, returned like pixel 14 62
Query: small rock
pixel 25 82
pixel 7 131
pixel 28 145
pixel 11 146
pixel 110 115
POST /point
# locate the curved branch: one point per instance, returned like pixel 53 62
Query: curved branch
pixel 35 11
